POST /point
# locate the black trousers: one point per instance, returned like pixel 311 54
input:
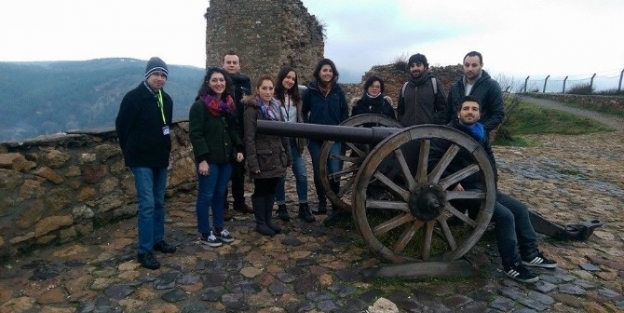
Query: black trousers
pixel 238 184
pixel 265 186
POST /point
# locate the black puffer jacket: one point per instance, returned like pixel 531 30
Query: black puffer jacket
pixel 242 87
pixel 462 159
pixel 139 126
pixel 378 105
pixel 490 96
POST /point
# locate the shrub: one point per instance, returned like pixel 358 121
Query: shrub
pixel 400 63
pixel 581 89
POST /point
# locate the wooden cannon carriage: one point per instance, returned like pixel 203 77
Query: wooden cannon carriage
pixel 400 204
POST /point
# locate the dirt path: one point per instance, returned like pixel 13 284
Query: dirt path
pixel 614 122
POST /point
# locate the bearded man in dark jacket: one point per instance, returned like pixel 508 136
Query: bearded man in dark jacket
pixel 419 101
pixel 242 87
pixel 478 83
pixel 516 238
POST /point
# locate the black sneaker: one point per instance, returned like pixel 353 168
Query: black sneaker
pixel 224 236
pixel 540 261
pixel 520 273
pixel 164 247
pixel 210 240
pixel 148 260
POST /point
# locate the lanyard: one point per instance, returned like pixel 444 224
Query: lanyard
pixel 161 105
pixel 287 107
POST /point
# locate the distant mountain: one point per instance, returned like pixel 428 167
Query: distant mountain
pixel 42 98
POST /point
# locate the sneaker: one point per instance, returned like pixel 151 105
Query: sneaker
pixel 520 273
pixel 224 236
pixel 210 240
pixel 540 261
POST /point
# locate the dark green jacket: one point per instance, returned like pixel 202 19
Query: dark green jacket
pixel 214 139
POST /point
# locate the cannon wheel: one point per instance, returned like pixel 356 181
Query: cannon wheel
pixel 400 228
pixel 352 156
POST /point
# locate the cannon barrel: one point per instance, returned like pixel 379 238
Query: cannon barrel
pixel 368 135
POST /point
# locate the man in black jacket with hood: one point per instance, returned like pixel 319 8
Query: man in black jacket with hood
pixel 242 86
pixel 478 83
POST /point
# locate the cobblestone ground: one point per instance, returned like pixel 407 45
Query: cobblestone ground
pixel 312 268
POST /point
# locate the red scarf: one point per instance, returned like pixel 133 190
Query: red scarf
pixel 218 107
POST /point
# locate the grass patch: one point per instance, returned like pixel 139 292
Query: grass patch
pixel 516 142
pixel 533 119
pixel 596 108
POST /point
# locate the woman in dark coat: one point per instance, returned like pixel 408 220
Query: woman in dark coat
pixel 373 99
pixel 216 145
pixel 267 156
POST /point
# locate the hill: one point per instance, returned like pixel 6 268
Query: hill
pixel 42 98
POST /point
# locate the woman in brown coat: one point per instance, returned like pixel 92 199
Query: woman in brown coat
pixel 267 156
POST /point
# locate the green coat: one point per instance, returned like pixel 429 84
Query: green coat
pixel 214 138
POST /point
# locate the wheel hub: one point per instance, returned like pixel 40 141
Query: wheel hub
pixel 426 202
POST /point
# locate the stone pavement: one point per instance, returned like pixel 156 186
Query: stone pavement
pixel 312 268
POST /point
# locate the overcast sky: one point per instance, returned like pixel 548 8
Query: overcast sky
pixel 516 37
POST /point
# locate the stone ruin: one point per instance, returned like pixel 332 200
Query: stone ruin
pixel 266 35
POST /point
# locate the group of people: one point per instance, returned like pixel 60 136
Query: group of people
pixel 222 130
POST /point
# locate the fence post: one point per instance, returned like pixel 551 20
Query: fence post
pixel 527 79
pixel 591 84
pixel 564 82
pixel 545 82
pixel 620 84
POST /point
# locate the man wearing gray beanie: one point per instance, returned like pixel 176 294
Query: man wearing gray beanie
pixel 143 127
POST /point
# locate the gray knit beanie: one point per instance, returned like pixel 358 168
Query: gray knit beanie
pixel 155 64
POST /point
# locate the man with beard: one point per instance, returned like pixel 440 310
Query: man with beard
pixel 477 82
pixel 242 86
pixel 515 236
pixel 421 100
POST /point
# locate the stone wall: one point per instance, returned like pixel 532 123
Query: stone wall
pixel 266 35
pixel 58 188
pixel 614 102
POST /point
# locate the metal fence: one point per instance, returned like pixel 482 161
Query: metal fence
pixel 602 81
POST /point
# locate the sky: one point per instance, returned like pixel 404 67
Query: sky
pixel 516 37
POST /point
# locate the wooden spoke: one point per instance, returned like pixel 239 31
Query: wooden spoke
pixel 446 232
pixel 392 223
pixel 444 162
pixel 346 187
pixel 387 205
pixel 407 236
pixel 426 241
pixel 453 195
pixel 404 194
pixel 423 162
pixel 356 149
pixel 346 158
pixel 461 215
pixel 411 183
pixel 338 175
pixel 458 176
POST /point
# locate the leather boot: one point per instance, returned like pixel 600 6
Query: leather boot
pixel 305 214
pixel 269 200
pixel 282 213
pixel 259 212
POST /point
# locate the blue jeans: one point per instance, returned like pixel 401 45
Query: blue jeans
pixel 514 232
pixel 150 184
pixel 333 165
pixel 210 193
pixel 301 178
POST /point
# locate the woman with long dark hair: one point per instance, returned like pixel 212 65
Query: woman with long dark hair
pixel 373 99
pixel 324 102
pixel 289 102
pixel 216 145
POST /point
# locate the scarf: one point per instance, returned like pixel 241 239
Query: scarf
pixel 267 110
pixel 475 131
pixel 373 103
pixel 325 89
pixel 218 107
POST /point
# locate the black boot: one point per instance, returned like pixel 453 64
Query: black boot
pixel 282 213
pixel 322 209
pixel 305 214
pixel 269 200
pixel 258 208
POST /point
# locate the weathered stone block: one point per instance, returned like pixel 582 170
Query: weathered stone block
pixel 107 151
pixel 56 159
pixel 94 174
pixel 49 174
pixel 73 171
pixel 52 223
pixel 9 180
pixel 57 199
pixel 108 185
pixel 31 189
pixel 86 193
pixel 68 234
pixel 46 239
pixel 30 216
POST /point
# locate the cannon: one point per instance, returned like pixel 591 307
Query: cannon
pixel 400 204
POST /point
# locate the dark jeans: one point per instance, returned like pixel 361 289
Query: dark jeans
pixel 150 184
pixel 514 231
pixel 238 184
pixel 209 188
pixel 333 165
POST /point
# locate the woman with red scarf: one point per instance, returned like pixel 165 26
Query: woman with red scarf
pixel 216 145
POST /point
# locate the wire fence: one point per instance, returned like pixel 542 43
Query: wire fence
pixel 607 81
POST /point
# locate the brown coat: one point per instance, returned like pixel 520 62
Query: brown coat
pixel 265 153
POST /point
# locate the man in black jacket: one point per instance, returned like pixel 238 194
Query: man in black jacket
pixel 143 126
pixel 242 86
pixel 421 100
pixel 517 241
pixel 478 83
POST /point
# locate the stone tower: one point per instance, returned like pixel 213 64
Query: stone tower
pixel 266 35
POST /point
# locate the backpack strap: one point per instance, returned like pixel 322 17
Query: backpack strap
pixel 434 83
pixel 403 90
